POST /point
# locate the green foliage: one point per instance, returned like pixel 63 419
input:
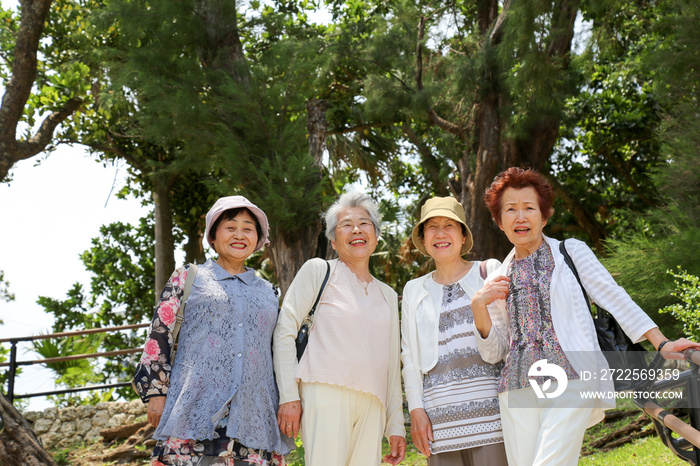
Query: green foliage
pixel 5 293
pixel 687 311
pixel 60 347
pixel 74 373
pixel 121 263
pixel 669 236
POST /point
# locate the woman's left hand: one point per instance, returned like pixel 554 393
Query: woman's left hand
pixel 289 418
pixel 397 449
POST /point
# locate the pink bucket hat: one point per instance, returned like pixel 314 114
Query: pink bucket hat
pixel 235 202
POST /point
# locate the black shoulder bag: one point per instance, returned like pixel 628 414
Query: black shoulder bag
pixel 303 336
pixel 617 347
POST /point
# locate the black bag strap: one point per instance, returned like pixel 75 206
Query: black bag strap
pixel 570 263
pixel 320 292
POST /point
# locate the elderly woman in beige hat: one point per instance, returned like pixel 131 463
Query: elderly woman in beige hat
pixel 216 403
pixel 345 391
pixel 452 393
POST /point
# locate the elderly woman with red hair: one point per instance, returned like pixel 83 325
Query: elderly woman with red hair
pixel 532 314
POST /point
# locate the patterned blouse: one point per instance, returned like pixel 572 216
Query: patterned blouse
pixel 459 393
pixel 531 328
pixel 222 398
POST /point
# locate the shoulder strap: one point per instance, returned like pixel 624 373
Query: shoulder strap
pixel 320 292
pixel 570 263
pixel 191 273
pixel 482 270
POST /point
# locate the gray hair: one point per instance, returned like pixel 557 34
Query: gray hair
pixel 348 200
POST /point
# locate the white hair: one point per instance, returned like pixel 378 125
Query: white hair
pixel 348 200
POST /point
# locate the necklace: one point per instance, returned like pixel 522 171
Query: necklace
pixel 365 286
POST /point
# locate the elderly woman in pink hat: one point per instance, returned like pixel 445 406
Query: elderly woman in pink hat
pixel 451 391
pixel 216 403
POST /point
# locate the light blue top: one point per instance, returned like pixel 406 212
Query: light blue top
pixel 223 367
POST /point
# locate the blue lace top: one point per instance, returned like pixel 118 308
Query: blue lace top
pixel 222 373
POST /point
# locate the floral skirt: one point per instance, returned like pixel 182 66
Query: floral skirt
pixel 221 451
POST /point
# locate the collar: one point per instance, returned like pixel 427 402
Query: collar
pixel 219 273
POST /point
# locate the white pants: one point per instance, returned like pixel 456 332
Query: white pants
pixel 538 432
pixel 340 426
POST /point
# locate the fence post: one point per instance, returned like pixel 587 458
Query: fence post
pixel 13 370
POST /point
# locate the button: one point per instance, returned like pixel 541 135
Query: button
pixel 240 355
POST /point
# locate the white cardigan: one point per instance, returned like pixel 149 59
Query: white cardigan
pixel 419 329
pixel 573 323
pixel 296 305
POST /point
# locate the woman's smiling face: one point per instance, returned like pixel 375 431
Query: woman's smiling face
pixel 443 238
pixel 521 220
pixel 236 238
pixel 355 236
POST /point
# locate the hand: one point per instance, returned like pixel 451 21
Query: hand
pixel 492 290
pixel 397 448
pixel 421 430
pixel 155 410
pixel 289 418
pixel 672 349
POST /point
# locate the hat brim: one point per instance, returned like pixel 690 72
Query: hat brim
pixel 235 202
pixel 418 242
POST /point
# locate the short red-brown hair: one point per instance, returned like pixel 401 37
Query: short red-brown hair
pixel 518 178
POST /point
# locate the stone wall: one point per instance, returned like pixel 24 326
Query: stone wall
pixel 58 427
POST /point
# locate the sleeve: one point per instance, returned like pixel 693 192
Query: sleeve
pixel 296 305
pixel 494 347
pixel 604 291
pixel 394 401
pixel 152 376
pixel 409 346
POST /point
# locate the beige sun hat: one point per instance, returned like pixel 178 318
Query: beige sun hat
pixel 442 207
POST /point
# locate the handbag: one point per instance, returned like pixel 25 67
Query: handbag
pixel 621 353
pixel 303 336
pixel 191 273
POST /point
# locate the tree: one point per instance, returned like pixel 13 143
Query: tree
pixel 38 83
pixel 472 89
pixel 667 236
pixel 242 114
pixel 19 445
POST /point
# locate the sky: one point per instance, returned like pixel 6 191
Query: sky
pixel 48 215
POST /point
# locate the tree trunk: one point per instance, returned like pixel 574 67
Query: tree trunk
pixel 19 445
pixel 165 242
pixel 494 152
pixel 194 250
pixel 290 250
pixel 489 240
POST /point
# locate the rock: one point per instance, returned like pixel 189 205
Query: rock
pixel 42 426
pixel 100 418
pixel 83 426
pixel 32 416
pixel 68 429
pixel 136 407
pixel 51 413
pixel 51 439
pixel 117 420
pixel 93 434
pixel 68 414
pixel 55 427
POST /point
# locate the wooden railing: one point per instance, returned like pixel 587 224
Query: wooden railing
pixel 14 363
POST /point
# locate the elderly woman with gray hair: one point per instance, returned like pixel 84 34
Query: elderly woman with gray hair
pixel 344 393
